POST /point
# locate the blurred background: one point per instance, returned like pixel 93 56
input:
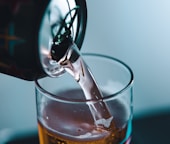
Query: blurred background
pixel 136 32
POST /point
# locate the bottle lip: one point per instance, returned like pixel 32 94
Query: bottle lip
pixel 62 12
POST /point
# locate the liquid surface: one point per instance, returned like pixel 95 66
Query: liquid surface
pixel 64 123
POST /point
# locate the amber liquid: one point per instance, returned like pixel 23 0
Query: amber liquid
pixel 63 123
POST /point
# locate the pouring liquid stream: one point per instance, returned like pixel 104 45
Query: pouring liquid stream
pixel 74 64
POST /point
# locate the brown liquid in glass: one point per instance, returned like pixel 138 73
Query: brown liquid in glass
pixel 64 123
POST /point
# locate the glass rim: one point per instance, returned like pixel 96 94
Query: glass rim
pixel 106 98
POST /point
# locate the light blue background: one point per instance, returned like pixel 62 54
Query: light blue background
pixel 134 31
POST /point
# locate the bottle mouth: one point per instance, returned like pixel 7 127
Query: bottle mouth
pixel 60 16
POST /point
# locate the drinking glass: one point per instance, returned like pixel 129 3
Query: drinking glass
pixel 63 112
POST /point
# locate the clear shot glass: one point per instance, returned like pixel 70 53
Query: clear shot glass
pixel 63 111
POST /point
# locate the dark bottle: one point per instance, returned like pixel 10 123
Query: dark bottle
pixel 28 26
